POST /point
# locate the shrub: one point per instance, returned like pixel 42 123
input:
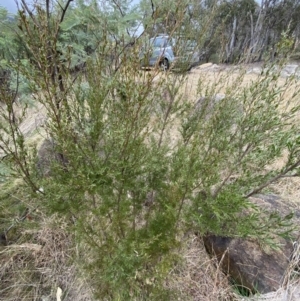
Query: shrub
pixel 137 162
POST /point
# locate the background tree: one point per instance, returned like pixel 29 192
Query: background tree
pixel 233 29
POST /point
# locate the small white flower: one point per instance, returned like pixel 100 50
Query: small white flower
pixel 40 190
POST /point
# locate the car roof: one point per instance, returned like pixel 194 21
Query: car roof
pixel 159 37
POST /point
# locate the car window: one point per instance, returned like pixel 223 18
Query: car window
pixel 191 45
pixel 183 45
pixel 160 42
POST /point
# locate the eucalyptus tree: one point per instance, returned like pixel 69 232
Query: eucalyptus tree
pixel 164 17
pixel 8 47
pixel 264 25
pixel 235 18
pixel 8 25
pixel 281 17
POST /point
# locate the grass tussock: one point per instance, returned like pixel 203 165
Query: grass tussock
pixel 35 268
pixel 199 277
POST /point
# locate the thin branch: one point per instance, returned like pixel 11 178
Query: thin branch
pixel 153 9
pixel 65 10
pixel 26 8
pixel 48 9
pixel 121 12
pixel 232 170
pixel 291 176
pixel 275 178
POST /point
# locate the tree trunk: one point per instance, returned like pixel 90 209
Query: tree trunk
pixel 230 47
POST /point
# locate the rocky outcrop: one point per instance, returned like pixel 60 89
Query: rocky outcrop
pixel 47 154
pixel 255 68
pixel 249 264
pixel 289 70
pixel 205 104
pixel 3 241
pixel 286 71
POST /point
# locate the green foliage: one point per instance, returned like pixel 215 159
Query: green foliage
pixel 7 45
pixel 134 161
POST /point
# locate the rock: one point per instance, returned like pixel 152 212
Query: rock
pixel 207 103
pixel 209 67
pixel 255 70
pixel 250 265
pixel 36 120
pixel 3 241
pixel 205 66
pixel 291 293
pixel 215 67
pixel 289 70
pixel 284 74
pixel 46 155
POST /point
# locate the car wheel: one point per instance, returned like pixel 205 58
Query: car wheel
pixel 164 65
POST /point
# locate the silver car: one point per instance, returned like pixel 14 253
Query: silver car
pixel 167 52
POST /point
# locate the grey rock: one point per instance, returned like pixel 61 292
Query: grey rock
pixel 290 69
pixel 207 103
pixel 249 264
pixel 3 241
pixel 46 155
pixel 291 293
pixel 255 70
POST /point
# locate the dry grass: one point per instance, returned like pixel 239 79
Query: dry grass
pixel 289 189
pixel 39 263
pixel 199 277
pixel 35 270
